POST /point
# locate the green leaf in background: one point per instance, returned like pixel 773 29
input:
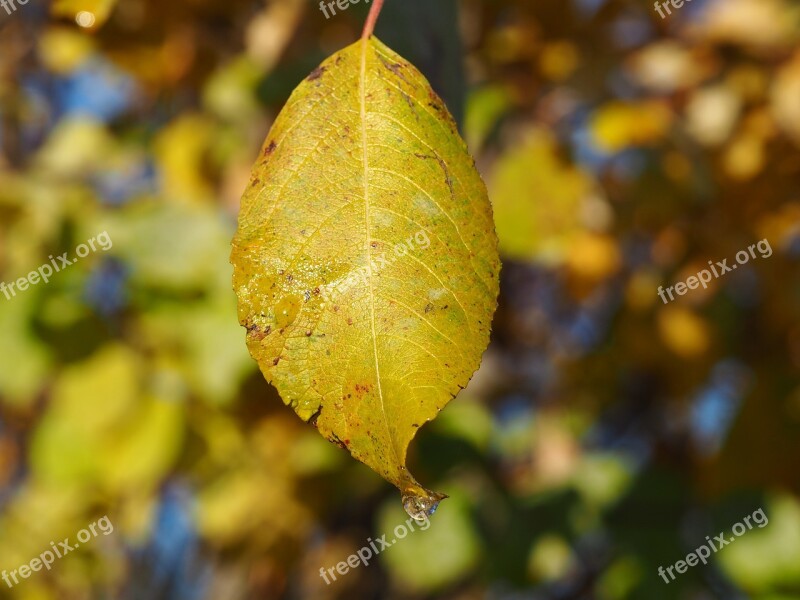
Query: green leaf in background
pixel 430 559
pixel 541 202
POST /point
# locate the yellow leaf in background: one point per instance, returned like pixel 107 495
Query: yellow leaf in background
pixel 112 375
pixel 514 40
pixel 785 98
pixel 668 65
pixel 593 257
pixel 550 558
pixel 559 60
pixel 745 157
pixel 33 515
pixel 247 500
pixel 26 359
pixel 620 125
pixel 144 449
pixel 62 50
pixel 712 113
pixel 126 440
pixel 639 290
pixel 683 332
pixel 485 107
pixel 191 235
pixel 769 555
pixel 749 81
pixel 270 31
pixel 782 225
pixel 541 203
pixel 255 480
pixel 76 146
pixel 761 25
pixel 366 262
pixel 231 90
pixel 181 150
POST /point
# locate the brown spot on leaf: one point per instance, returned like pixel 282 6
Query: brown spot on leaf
pixel 316 74
pixel 255 332
pixel 270 149
pixel 363 389
pixel 312 420
pixel 395 68
pixel 410 103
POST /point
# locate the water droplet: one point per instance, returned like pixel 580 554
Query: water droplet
pixel 286 311
pixel 421 503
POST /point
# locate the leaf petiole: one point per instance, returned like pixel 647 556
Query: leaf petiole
pixel 372 18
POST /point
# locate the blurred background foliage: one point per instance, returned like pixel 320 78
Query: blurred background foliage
pixel 605 434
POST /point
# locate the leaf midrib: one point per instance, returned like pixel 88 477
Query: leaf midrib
pixel 362 93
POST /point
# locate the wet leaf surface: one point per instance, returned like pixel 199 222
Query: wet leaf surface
pixel 366 261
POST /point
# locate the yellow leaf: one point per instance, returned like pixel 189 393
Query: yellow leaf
pixel 559 60
pixel 712 114
pixel 668 66
pixel 761 25
pixel 745 157
pixel 619 125
pixel 76 146
pixel 784 98
pixel 593 257
pixel 63 50
pixel 686 334
pixel 129 439
pixel 181 150
pixel 271 30
pixel 366 261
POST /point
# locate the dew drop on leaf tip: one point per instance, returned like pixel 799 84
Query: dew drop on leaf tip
pixel 421 503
